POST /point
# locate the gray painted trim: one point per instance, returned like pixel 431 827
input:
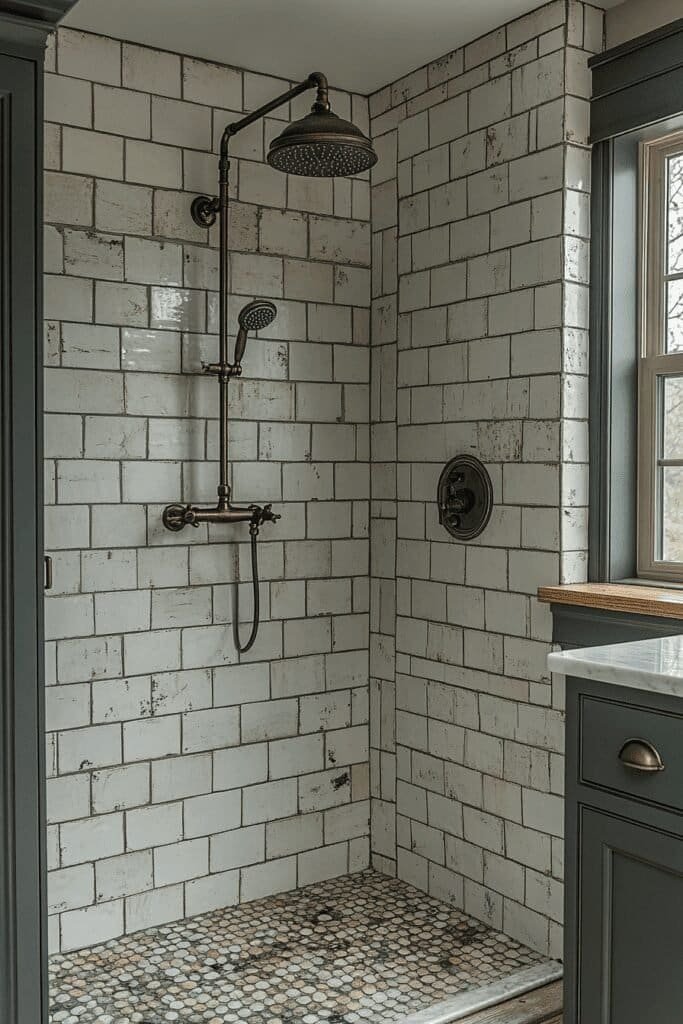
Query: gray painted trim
pixel 21 941
pixel 46 12
pixel 613 352
pixel 608 57
pixel 22 988
pixel 637 84
pixel 613 370
pixel 599 373
pixel 24 27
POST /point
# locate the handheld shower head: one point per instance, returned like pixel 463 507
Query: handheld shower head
pixel 257 314
pixel 253 317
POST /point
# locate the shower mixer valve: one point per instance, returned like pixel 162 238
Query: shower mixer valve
pixel 177 517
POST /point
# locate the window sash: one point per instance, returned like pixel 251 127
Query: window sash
pixel 655 363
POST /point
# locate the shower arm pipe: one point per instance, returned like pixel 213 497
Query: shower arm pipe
pixel 223 369
pixel 316 80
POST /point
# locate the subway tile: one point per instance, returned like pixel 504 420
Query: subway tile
pixel 158 906
pixel 95 153
pixel 121 304
pixel 68 101
pixel 68 298
pixel 151 262
pixel 121 111
pixel 123 875
pixel 114 437
pixel 121 699
pixel 92 57
pixel 269 878
pixel 91 838
pixel 89 925
pixel 68 798
pixel 213 892
pixel 68 198
pixel 153 738
pixel 94 658
pixel 70 888
pixel 238 848
pixel 151 71
pixel 119 207
pixel 178 123
pixel 214 813
pixel 269 801
pixel 153 826
pixel 179 777
pixel 179 862
pixel 87 480
pixel 207 730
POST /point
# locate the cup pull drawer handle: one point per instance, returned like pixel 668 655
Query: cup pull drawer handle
pixel 640 756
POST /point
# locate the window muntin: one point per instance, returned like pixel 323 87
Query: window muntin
pixel 660 411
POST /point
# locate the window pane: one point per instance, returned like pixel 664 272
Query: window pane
pixel 675 214
pixel 674 317
pixel 672 512
pixel 672 440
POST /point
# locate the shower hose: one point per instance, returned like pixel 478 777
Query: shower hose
pixel 255 586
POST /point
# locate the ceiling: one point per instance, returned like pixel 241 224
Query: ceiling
pixel 360 44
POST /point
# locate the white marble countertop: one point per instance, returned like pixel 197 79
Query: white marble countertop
pixel 654 665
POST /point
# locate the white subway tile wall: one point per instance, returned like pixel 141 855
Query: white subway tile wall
pixel 182 779
pixel 479 345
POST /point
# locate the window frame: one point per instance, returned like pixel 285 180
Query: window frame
pixel 655 365
pixel 636 96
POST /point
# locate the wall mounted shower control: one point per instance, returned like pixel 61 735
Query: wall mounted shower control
pixel 464 497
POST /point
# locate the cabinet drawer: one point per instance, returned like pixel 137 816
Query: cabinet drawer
pixel 616 738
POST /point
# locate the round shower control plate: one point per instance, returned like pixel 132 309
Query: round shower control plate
pixel 465 497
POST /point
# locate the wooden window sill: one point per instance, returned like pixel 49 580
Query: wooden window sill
pixel 618 597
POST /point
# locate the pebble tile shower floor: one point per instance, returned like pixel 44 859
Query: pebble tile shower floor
pixel 364 947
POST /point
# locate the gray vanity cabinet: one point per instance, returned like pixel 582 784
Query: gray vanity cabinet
pixel 624 853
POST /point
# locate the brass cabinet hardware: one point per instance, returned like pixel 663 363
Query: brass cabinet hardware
pixel 640 756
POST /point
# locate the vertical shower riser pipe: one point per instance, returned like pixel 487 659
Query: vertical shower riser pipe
pixel 315 80
pixel 223 270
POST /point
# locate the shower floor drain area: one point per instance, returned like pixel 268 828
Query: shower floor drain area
pixel 362 948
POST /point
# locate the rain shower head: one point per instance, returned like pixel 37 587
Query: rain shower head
pixel 321 145
pixel 253 317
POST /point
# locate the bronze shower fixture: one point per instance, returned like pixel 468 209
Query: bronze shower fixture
pixel 318 145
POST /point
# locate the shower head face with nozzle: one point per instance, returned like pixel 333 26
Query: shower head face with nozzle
pixel 257 315
pixel 322 145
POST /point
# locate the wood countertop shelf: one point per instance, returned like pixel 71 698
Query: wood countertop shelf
pixel 631 598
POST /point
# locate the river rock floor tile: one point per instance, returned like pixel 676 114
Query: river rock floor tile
pixel 362 948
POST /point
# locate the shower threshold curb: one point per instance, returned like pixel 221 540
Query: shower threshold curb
pixel 486 996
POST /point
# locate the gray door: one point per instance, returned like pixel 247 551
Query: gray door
pixel 631 928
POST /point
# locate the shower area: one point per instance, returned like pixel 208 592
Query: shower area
pixel 303 754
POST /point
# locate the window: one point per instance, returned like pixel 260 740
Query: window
pixel 660 407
